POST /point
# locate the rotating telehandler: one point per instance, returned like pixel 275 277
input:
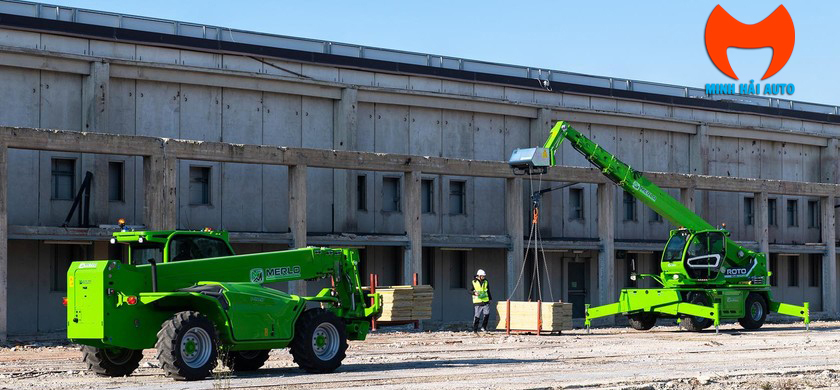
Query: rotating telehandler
pixel 706 276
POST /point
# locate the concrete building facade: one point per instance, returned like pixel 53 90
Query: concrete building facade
pixel 776 161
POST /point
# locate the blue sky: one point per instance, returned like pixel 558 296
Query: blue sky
pixel 660 41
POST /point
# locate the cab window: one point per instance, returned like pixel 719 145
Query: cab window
pixel 703 244
pixel 189 247
pixel 141 253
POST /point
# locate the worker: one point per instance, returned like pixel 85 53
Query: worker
pixel 481 300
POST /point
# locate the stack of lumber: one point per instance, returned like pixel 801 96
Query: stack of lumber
pixel 406 303
pixel 422 309
pixel 556 316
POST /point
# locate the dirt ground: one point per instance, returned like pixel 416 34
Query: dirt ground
pixel 780 356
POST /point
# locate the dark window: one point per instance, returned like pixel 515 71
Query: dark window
pixel 361 192
pixel 771 212
pixel 749 208
pixel 576 203
pixel 654 216
pixel 814 270
pixel 793 271
pixel 629 207
pixel 427 196
pixel 199 185
pixel 793 212
pixel 189 247
pixel 457 196
pixel 774 269
pixel 63 255
pixel 116 181
pixel 458 269
pixel 390 194
pixel 141 253
pixel 428 267
pixel 63 178
pixel 813 214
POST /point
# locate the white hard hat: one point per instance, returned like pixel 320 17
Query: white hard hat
pixel 480 273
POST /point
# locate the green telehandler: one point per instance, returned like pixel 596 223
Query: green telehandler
pixel 706 276
pixel 186 294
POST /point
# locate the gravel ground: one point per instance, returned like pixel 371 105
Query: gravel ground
pixel 779 356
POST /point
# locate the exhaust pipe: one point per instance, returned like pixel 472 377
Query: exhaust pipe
pixel 154 274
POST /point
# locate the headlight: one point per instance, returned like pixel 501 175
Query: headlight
pixel 676 276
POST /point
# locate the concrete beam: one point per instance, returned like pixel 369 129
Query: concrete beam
pixel 4 244
pixel 606 252
pixel 762 224
pixel 297 217
pixel 626 120
pixel 830 295
pixel 38 139
pixel 429 100
pixel 225 79
pixel 795 137
pixel 413 254
pixel 515 224
pixel 344 138
pixel 79 142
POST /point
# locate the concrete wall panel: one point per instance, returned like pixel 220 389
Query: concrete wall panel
pixel 425 132
pixel 20 101
pixel 158 106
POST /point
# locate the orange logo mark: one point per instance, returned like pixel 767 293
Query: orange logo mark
pixel 776 31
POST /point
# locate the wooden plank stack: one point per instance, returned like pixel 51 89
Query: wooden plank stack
pixel 405 303
pixel 556 316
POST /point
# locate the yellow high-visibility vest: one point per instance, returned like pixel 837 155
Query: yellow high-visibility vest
pixel 482 293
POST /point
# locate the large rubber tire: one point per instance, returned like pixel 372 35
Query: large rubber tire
pixel 187 346
pixel 756 312
pixel 696 324
pixel 642 321
pixel 320 341
pixel 111 361
pixel 245 360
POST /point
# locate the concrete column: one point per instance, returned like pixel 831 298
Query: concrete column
pixel 829 162
pixel 297 217
pixel 699 164
pixel 540 127
pixel 413 255
pixel 761 223
pixel 95 97
pixel 153 168
pixel 687 197
pixel 169 215
pixel 95 90
pixel 160 178
pixel 344 138
pixel 829 262
pixel 515 223
pixel 4 245
pixel 606 234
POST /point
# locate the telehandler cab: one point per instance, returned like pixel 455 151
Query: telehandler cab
pixel 186 294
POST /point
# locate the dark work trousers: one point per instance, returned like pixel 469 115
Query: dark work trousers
pixel 481 309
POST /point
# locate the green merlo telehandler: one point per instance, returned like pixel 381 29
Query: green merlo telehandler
pixel 706 276
pixel 186 294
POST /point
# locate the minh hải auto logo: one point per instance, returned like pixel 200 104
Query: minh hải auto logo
pixel 775 31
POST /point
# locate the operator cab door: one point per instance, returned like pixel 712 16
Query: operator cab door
pixel 193 246
pixel 705 254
